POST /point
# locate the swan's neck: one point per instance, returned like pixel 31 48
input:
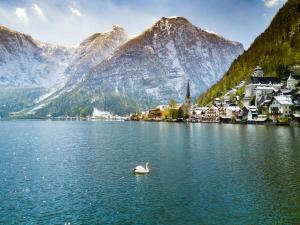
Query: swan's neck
pixel 147 167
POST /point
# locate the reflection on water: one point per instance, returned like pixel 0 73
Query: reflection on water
pixel 81 172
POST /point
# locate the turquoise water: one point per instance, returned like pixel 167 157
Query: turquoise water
pixel 81 173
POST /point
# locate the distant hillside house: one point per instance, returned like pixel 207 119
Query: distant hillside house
pixel 292 82
pixel 218 102
pixel 258 72
pixel 260 85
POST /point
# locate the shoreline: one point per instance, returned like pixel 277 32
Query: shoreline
pixel 286 124
pixel 239 123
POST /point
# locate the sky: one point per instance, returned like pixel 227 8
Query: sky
pixel 69 22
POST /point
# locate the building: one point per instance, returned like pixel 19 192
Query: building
pixel 162 107
pixel 251 113
pixel 262 94
pixel 281 106
pixel 233 111
pixel 211 115
pixel 98 114
pixel 258 72
pixel 260 86
pixel 218 102
pixel 197 112
pixel 155 114
pixel 186 107
pixel 292 82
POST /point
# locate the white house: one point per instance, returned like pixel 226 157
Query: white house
pixel 218 102
pixel 98 114
pixel 211 115
pixel 251 112
pixel 198 111
pixel 162 107
pixel 281 105
pixel 232 111
pixel 291 82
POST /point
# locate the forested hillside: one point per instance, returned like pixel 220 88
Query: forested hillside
pixel 277 51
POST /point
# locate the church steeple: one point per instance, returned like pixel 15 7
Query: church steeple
pixel 188 93
pixel 188 101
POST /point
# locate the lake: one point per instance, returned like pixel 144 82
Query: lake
pixel 81 173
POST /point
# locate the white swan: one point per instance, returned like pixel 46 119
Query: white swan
pixel 142 169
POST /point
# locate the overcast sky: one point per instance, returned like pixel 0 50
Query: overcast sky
pixel 68 22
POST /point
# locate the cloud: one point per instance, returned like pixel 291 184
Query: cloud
pixel 272 3
pixel 38 11
pixel 21 14
pixel 76 12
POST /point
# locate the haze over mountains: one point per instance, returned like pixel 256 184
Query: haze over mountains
pixel 113 72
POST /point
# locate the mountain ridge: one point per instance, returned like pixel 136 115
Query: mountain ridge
pixel 145 70
pixel 25 61
pixel 150 42
pixel 154 67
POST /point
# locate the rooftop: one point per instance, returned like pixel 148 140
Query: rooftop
pixel 294 77
pixel 284 99
pixel 264 88
pixel 265 80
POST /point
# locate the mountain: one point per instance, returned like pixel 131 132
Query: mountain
pixel 89 53
pixel 276 50
pixel 158 63
pixel 151 69
pixel 92 51
pixel 25 62
pixel 29 66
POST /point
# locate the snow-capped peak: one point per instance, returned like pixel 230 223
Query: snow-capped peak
pixel 172 17
pixel 211 32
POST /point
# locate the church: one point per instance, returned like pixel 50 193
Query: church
pixel 260 86
pixel 186 107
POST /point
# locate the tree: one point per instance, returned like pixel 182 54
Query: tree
pixel 282 71
pixel 173 113
pixel 180 113
pixel 297 58
pixel 172 104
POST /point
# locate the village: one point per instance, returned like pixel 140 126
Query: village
pixel 264 100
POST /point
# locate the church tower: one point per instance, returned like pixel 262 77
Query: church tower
pixel 258 72
pixel 188 101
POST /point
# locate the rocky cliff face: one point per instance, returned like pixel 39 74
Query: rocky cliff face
pixel 28 63
pixel 158 63
pixel 93 51
pixel 25 62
